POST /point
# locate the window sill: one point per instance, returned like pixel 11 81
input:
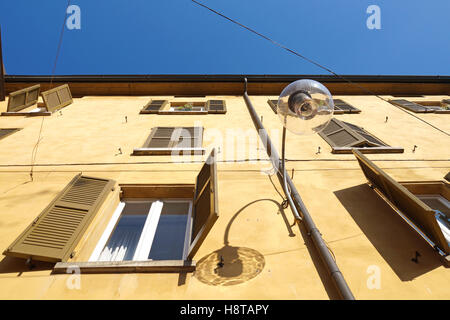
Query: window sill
pixel 180 112
pixel 345 150
pixel 153 266
pixel 168 151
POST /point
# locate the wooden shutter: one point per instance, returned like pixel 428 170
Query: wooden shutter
pixel 56 231
pixel 154 106
pixel 411 106
pixel 205 204
pixel 216 106
pixel 57 98
pixel 343 137
pixel 341 107
pixel 447 177
pixel 422 216
pixel 273 105
pixel 23 98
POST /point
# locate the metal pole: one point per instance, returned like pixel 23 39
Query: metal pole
pixel 2 76
pixel 332 268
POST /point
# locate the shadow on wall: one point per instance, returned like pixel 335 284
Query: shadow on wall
pixel 393 238
pixel 19 266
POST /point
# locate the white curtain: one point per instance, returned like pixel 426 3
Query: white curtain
pixel 122 244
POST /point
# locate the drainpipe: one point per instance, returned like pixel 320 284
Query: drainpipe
pixel 332 268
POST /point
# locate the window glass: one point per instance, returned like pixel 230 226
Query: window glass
pixel 125 237
pixel 169 240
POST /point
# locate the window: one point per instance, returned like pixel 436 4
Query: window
pixel 423 106
pixel 147 230
pixel 343 137
pixel 180 107
pixel 173 141
pixel 22 99
pixel 340 106
pixel 6 132
pixel 416 203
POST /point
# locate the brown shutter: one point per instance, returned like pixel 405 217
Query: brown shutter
pixel 447 177
pixel 343 137
pixel 216 106
pixel 57 98
pixel 205 204
pixel 273 105
pixel 422 216
pixel 160 137
pixel 337 134
pixel 154 106
pixel 6 132
pixel 411 106
pixel 56 231
pixel 341 107
pixel 23 98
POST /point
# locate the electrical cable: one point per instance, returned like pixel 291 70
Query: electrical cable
pixel 39 139
pixel 314 63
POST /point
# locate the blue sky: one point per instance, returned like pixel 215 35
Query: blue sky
pixel 179 37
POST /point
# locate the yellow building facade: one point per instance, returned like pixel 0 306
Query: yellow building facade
pixel 254 250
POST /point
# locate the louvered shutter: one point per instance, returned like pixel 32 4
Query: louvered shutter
pixel 339 135
pixel 54 234
pixel 57 98
pixel 216 106
pixel 6 132
pixel 23 98
pixel 154 106
pixel 205 204
pixel 341 106
pixel 422 216
pixel 273 105
pixel 411 106
pixel 160 137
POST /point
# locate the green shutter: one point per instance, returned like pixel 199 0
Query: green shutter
pixel 216 106
pixel 54 234
pixel 154 106
pixel 341 107
pixel 205 204
pixel 57 98
pixel 343 137
pixel 411 106
pixel 422 216
pixel 23 98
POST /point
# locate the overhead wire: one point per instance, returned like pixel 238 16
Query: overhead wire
pixel 370 92
pixel 39 139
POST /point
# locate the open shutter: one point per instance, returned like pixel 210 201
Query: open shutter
pixel 57 98
pixel 205 204
pixel 160 137
pixel 54 234
pixel 337 134
pixel 216 106
pixel 341 107
pixel 154 106
pixel 23 98
pixel 447 177
pixel 422 216
pixel 411 106
pixel 273 105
